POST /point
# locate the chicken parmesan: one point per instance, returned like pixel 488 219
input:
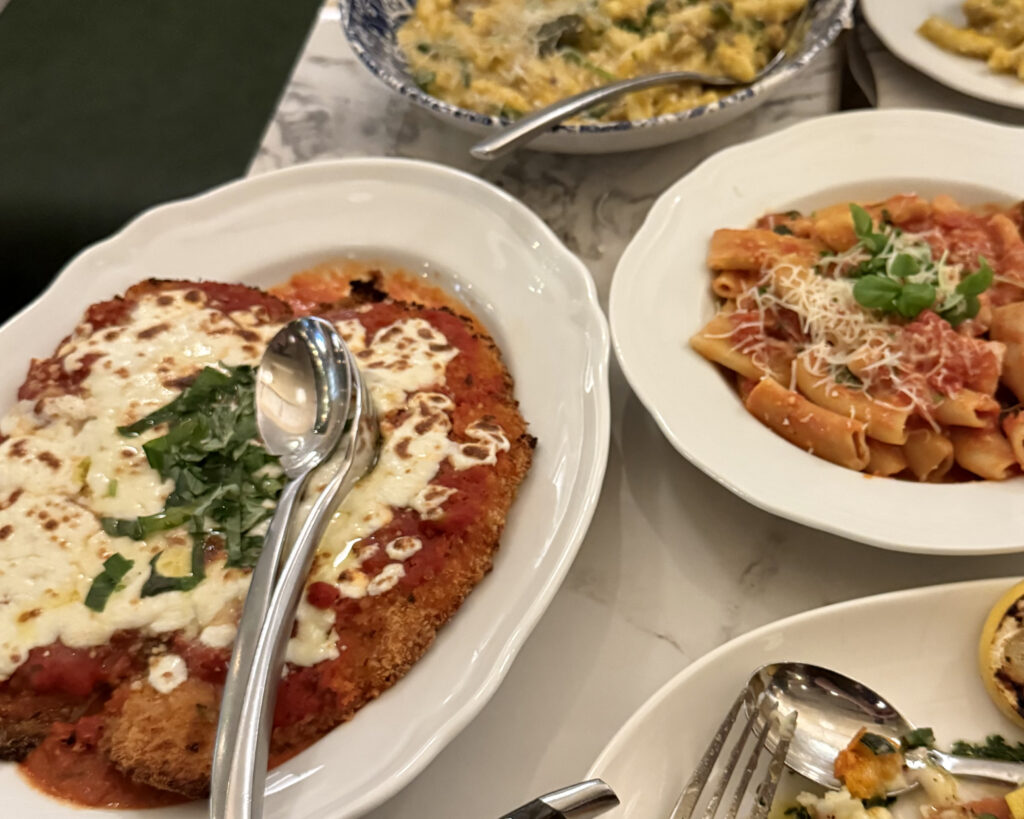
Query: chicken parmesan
pixel 135 493
pixel 886 337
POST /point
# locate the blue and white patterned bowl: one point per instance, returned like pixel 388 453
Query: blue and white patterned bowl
pixel 370 26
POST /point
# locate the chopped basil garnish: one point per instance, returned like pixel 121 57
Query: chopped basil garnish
pixel 994 747
pixel 918 738
pixel 878 745
pixel 906 283
pixel 225 484
pixel 572 55
pixel 782 230
pixel 103 585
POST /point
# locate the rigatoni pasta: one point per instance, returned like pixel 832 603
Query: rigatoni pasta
pixel 885 336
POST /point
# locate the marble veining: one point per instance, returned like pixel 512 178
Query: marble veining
pixel 674 564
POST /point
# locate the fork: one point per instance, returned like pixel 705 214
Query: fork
pixel 760 723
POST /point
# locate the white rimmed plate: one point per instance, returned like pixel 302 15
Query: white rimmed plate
pixel 917 648
pixel 661 295
pixel 896 23
pixel 533 295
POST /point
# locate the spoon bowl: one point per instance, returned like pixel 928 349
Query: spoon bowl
pixel 303 388
pixel 831 709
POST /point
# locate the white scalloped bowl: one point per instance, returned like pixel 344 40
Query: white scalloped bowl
pixel 661 295
pixel 531 293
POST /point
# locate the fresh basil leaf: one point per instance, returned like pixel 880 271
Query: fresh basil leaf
pixel 978 282
pixel 877 744
pixel 122 527
pixel 862 222
pixel 158 583
pixel 782 230
pixel 966 308
pixel 904 266
pixel 918 738
pixel 203 389
pixel 877 292
pixel 103 585
pixel 875 242
pixel 913 298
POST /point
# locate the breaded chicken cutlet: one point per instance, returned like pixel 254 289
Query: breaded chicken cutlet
pixel 114 683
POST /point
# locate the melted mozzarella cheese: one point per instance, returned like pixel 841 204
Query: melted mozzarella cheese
pixel 51 543
pixel 167 672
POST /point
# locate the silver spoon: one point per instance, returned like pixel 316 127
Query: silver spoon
pixel 303 394
pixel 355 456
pixel 833 708
pixel 532 126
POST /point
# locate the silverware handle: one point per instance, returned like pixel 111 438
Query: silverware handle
pixel 530 126
pixel 248 765
pixel 579 801
pixel 257 602
pixel 1010 772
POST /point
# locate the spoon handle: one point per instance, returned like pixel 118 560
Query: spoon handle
pixel 529 127
pixel 257 602
pixel 245 775
pixel 1010 772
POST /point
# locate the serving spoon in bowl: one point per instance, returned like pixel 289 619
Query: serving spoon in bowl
pixel 832 709
pixel 530 127
pixel 312 409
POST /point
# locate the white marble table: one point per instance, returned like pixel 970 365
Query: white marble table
pixel 674 564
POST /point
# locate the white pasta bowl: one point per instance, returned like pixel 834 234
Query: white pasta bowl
pixel 371 27
pixel 530 292
pixel 661 295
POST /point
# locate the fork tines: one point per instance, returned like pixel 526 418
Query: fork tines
pixel 762 721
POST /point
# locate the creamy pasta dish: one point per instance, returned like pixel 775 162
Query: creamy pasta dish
pixel 994 33
pixel 507 57
pixel 886 337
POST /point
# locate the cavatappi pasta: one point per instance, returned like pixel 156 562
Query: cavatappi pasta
pixel 507 57
pixel 994 33
pixel 886 337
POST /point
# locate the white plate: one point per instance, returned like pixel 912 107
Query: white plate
pixel 917 648
pixel 532 294
pixel 661 295
pixel 896 23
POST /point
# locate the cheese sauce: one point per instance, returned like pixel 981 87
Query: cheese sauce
pixel 64 465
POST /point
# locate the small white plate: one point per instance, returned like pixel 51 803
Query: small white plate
pixel 917 648
pixel 661 295
pixel 532 294
pixel 896 23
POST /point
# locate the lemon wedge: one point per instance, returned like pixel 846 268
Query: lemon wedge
pixel 1015 802
pixel 1001 657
